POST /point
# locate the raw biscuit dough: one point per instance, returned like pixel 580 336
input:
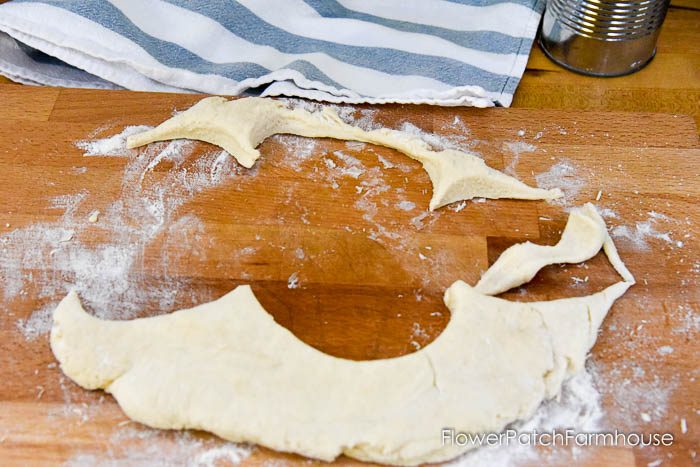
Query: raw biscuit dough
pixel 240 125
pixel 583 237
pixel 227 367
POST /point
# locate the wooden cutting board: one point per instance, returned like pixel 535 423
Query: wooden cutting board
pixel 343 253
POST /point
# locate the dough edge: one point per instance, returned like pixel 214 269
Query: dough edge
pixel 240 125
pixel 569 346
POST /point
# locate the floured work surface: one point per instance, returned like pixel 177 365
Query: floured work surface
pixel 340 248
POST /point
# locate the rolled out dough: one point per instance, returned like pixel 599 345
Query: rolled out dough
pixel 227 367
pixel 240 125
pixel 583 237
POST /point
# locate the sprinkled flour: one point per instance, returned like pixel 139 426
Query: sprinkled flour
pixel 406 205
pixel 53 257
pixel 101 254
pixel 635 395
pixel 136 447
pixel 38 323
pixel 112 146
pixel 563 175
pixel 363 118
pixel 418 335
pixel 516 148
pixel 578 408
pixel 643 231
pixel 293 281
pixel 457 141
pixel 298 148
pixel 607 213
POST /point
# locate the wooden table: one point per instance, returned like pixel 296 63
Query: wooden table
pixel 670 83
pixel 361 294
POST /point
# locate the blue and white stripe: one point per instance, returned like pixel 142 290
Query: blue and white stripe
pixel 468 52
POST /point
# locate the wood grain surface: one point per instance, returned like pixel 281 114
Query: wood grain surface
pixel 370 275
pixel 670 83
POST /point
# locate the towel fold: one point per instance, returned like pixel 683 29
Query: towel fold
pixel 469 52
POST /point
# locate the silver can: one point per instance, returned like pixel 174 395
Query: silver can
pixel 602 37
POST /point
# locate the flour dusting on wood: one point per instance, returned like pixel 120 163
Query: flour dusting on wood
pixel 578 408
pixel 564 175
pixel 643 231
pixel 105 261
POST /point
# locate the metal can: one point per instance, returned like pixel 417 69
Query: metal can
pixel 602 37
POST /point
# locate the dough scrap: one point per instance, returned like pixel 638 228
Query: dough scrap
pixel 240 125
pixel 583 237
pixel 228 368
pixel 243 377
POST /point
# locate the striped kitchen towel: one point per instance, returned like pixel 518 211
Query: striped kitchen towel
pixel 444 52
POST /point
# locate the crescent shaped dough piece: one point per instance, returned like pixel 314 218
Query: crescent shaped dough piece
pixel 583 237
pixel 228 368
pixel 240 125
